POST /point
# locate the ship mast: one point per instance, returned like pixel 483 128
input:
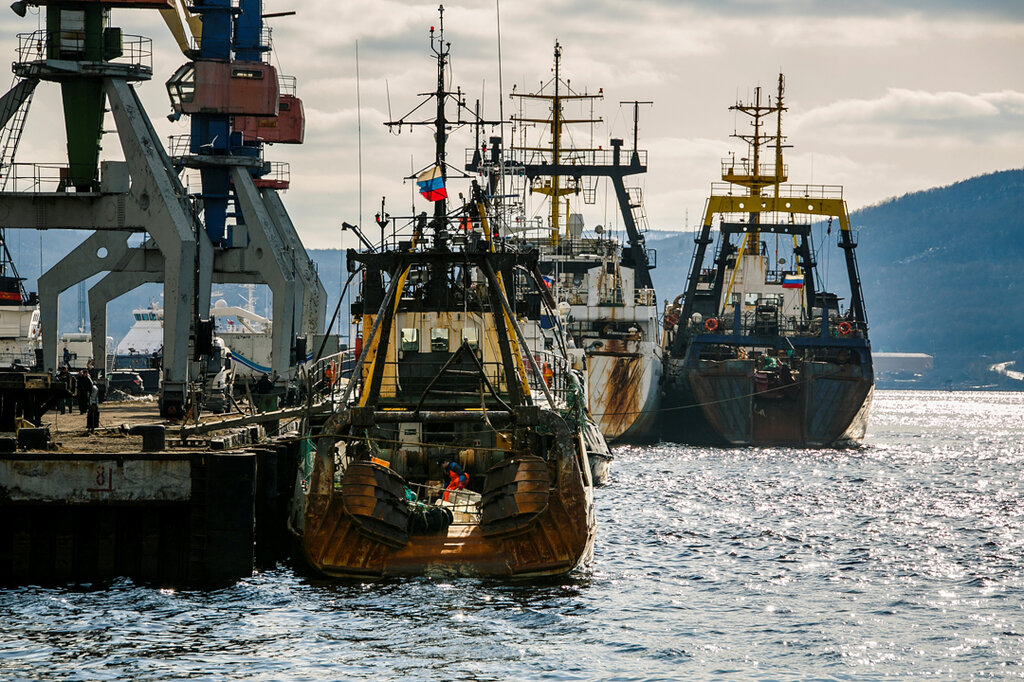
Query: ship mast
pixel 441 50
pixel 441 124
pixel 751 173
pixel 553 186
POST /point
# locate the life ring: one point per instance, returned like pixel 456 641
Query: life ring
pixel 845 328
pixel 711 324
pixel 670 320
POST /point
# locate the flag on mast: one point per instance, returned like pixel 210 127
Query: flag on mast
pixel 791 281
pixel 431 182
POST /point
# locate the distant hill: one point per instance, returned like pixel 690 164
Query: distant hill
pixel 941 272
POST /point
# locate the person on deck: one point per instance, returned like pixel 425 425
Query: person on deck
pixel 457 478
pixel 264 385
pixel 84 390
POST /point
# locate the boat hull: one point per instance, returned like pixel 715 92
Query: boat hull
pixel 623 380
pixel 721 403
pixel 524 531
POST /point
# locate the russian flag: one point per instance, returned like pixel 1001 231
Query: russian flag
pixel 547 280
pixel 793 282
pixel 431 183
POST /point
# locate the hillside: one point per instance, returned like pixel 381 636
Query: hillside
pixel 941 272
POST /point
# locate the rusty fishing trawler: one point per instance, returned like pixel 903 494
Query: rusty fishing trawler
pixel 602 283
pixel 758 352
pixel 453 450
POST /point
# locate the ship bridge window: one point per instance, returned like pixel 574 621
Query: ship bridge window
pixel 439 340
pixel 471 335
pixel 410 339
pixel 182 86
pixel 750 298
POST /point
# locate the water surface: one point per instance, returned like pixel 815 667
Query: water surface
pixel 903 558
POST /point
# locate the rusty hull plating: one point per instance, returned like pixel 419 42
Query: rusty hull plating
pixel 536 520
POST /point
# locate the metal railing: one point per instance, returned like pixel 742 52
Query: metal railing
pixel 35 178
pixel 743 168
pixel 567 157
pixel 552 370
pixel 460 502
pixel 645 297
pixel 325 380
pixel 786 191
pixel 555 372
pixel 287 85
pixel 135 52
pixel 179 145
pixel 755 323
pixel 280 174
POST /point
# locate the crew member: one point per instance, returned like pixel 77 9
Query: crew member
pixel 84 388
pixel 457 478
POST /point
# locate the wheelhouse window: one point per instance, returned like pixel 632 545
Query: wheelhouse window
pixel 750 298
pixel 439 340
pixel 410 339
pixel 471 335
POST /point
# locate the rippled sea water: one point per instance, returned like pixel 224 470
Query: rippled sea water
pixel 900 559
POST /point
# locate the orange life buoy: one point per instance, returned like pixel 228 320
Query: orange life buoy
pixel 711 324
pixel 845 328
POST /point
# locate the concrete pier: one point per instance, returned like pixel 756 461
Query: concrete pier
pixel 103 508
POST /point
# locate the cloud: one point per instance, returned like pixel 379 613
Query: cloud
pixel 905 115
pixel 875 88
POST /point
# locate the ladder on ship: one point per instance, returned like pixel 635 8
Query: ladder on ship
pixel 13 113
pixel 636 207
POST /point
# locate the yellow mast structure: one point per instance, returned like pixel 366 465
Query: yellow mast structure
pixel 750 172
pixel 554 186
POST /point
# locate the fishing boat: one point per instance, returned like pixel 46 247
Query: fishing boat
pixel 19 315
pixel 454 450
pixel 758 350
pixel 603 285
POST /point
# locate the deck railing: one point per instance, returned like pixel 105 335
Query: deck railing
pixel 131 51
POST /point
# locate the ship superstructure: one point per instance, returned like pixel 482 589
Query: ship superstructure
pixel 19 315
pixel 758 352
pixel 603 287
pixel 454 450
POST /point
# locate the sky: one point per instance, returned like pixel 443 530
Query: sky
pixel 884 98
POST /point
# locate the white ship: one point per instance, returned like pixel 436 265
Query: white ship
pixel 602 286
pixel 246 334
pixel 19 316
pixel 144 340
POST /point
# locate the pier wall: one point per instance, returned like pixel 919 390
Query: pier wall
pixel 171 519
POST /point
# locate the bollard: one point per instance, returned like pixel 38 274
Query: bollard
pixel 153 436
pixel 34 438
